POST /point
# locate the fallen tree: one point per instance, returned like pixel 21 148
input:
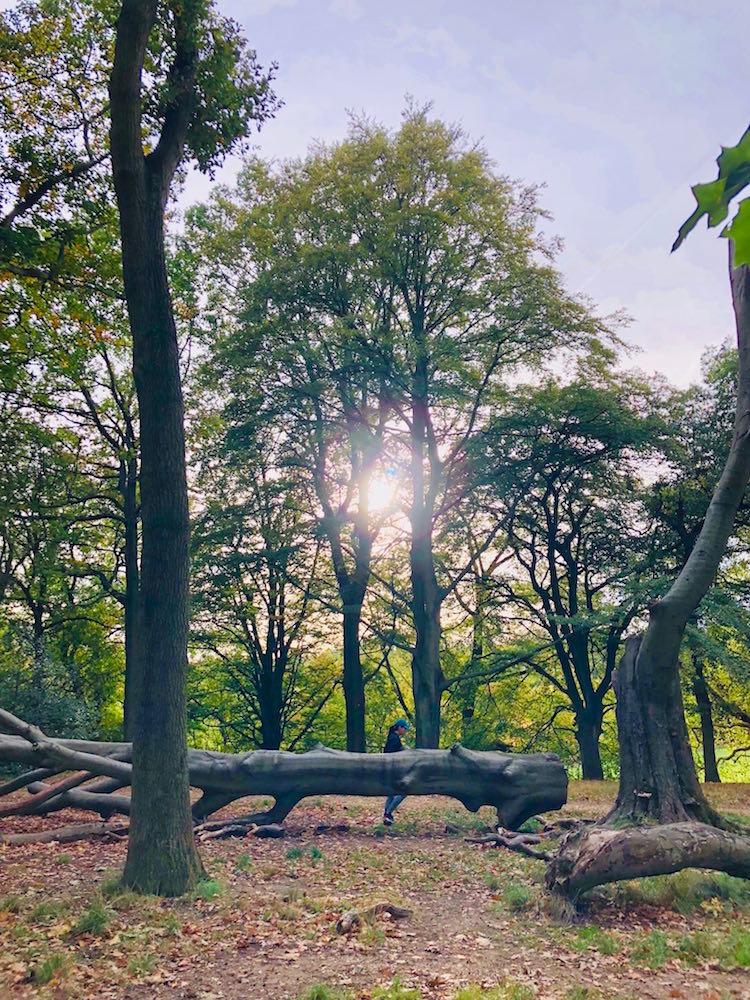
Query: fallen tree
pixel 518 786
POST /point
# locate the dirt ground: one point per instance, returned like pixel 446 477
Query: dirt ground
pixel 264 924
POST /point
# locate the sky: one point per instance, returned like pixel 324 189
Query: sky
pixel 616 106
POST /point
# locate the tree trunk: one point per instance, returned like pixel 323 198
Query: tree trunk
pixel 588 732
pixel 705 712
pixel 161 858
pixel 657 774
pixel 354 682
pixel 597 855
pixel 516 785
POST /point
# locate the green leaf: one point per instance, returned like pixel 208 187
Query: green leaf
pixel 739 231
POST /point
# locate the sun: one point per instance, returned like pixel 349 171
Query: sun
pixel 381 491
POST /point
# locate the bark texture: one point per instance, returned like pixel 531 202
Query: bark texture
pixel 599 854
pixel 518 786
pixel 161 852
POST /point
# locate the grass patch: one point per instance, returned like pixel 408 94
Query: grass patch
pixel 506 991
pixel 53 967
pixel 10 904
pixel 594 937
pixel 396 991
pixel 244 862
pixel 652 950
pixel 321 992
pixel 516 896
pixel 142 965
pixel 208 889
pixel 51 909
pixel 95 920
pixel 294 854
pixel 688 890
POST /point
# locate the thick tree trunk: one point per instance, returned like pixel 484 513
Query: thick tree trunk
pixel 517 785
pixel 161 852
pixel 705 712
pixel 657 774
pixel 588 732
pixel 354 682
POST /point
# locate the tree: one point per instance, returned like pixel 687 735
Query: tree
pixel 211 93
pixel 564 461
pixel 285 304
pixel 257 572
pixel 419 279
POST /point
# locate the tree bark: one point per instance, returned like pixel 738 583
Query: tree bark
pixel 354 681
pixel 705 713
pixel 518 786
pixel 162 858
pixel 588 731
pixel 657 774
pixel 597 855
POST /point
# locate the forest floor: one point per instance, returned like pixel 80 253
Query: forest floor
pixel 264 924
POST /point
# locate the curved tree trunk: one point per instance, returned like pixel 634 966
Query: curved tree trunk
pixel 657 774
pixel 658 780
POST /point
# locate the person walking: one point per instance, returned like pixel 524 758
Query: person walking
pixel 392 745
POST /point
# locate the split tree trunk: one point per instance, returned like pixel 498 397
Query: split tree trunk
pixel 161 852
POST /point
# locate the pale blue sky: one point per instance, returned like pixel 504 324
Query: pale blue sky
pixel 616 105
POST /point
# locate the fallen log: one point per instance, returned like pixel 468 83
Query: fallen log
pixel 518 786
pixel 66 834
pixel 596 855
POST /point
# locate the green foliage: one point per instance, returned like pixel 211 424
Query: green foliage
pixel 714 199
pixel 516 896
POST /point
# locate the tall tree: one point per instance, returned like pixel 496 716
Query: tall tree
pixel 210 94
pixel 566 460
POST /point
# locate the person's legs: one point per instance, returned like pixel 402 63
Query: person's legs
pixel 391 804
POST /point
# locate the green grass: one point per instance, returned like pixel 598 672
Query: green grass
pixel 95 920
pixel 51 909
pixel 142 965
pixel 594 937
pixel 10 904
pixel 244 862
pixel 508 991
pixel 688 890
pixel 396 991
pixel 208 889
pixel 294 854
pixel 50 968
pixel 652 950
pixel 516 896
pixel 321 992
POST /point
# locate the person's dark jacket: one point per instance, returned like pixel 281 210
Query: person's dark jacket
pixel 393 743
